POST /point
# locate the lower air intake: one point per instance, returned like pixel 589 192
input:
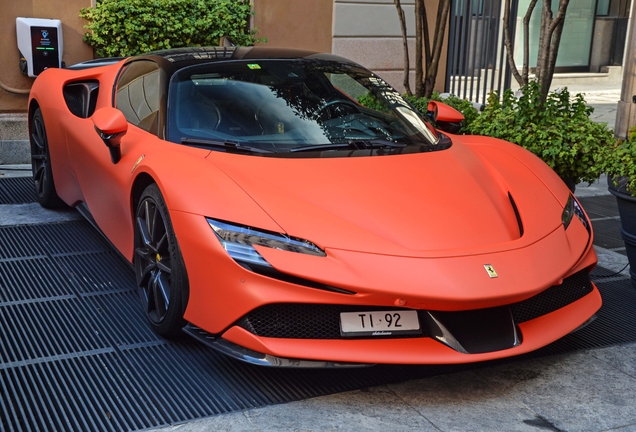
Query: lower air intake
pixel 309 321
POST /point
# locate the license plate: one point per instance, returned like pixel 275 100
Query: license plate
pixel 379 323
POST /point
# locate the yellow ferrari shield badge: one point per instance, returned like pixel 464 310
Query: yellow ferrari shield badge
pixel 491 270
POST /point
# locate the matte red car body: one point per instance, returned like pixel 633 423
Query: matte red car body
pixel 389 237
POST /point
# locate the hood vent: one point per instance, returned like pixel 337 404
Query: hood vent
pixel 516 210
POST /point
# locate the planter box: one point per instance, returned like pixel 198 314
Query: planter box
pixel 627 210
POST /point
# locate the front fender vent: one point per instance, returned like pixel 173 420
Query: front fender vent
pixel 81 98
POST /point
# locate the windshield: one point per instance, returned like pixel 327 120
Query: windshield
pixel 285 106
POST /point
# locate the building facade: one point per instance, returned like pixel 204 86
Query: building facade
pixel 368 31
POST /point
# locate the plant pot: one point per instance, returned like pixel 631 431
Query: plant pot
pixel 627 211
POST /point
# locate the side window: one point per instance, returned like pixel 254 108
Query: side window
pixel 139 92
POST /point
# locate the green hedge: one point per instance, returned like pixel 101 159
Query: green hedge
pixel 130 27
pixel 558 130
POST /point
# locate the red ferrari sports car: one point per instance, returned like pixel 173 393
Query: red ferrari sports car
pixel 272 216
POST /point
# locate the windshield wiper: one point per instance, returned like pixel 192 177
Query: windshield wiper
pixel 227 145
pixel 351 144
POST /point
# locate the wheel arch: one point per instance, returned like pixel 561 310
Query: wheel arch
pixel 142 181
pixel 174 323
pixel 33 105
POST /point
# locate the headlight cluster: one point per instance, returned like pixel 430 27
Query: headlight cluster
pixel 238 241
pixel 573 208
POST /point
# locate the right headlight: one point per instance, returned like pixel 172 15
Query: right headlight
pixel 573 208
pixel 239 241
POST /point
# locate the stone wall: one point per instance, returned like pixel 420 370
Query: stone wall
pixel 14 140
pixel 366 31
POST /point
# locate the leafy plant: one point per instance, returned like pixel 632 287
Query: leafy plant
pixel 130 27
pixel 620 161
pixel 558 130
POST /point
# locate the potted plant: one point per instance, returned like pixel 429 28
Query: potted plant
pixel 620 165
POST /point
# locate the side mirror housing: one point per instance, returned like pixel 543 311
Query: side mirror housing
pixel 445 117
pixel 110 125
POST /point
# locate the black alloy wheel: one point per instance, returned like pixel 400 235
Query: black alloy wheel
pixel 159 268
pixel 41 163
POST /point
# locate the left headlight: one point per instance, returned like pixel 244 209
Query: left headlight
pixel 239 241
pixel 573 208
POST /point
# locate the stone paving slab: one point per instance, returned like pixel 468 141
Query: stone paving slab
pixel 592 390
pixel 573 392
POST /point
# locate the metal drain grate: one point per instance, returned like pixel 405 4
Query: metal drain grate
pixel 77 355
pixel 603 211
pixel 17 190
pixel 614 325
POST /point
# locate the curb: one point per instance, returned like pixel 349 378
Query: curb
pixel 14 139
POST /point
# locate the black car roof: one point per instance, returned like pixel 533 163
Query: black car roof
pixel 174 59
pixel 177 58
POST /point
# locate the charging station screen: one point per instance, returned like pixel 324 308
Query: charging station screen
pixel 44 48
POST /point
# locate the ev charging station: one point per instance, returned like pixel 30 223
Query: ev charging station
pixel 40 43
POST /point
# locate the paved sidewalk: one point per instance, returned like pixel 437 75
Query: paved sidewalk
pixel 605 104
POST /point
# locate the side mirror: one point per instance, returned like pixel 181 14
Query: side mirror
pixel 445 117
pixel 110 125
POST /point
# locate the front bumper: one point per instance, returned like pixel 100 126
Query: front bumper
pixel 291 352
pixel 222 293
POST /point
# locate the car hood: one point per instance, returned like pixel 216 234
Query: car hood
pixel 445 203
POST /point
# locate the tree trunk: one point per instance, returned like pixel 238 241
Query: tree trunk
pixel 405 43
pixel 526 42
pixel 419 71
pixel 432 64
pixel 553 30
pixel 426 55
pixel 509 47
pixel 549 40
pixel 545 37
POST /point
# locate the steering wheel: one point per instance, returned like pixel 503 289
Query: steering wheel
pixel 336 108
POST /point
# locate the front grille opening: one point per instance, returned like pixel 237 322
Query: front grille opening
pixel 304 321
pixel 573 288
pixel 316 321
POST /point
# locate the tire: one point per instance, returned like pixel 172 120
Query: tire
pixel 41 164
pixel 159 268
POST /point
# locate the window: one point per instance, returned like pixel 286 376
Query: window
pixel 281 106
pixel 603 8
pixel 139 91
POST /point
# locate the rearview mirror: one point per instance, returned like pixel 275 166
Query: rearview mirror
pixel 445 117
pixel 110 125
